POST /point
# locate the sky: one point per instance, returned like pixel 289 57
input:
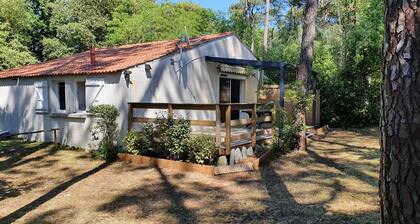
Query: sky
pixel 221 5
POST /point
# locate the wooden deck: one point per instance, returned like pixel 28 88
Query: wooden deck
pixel 240 136
pixel 231 133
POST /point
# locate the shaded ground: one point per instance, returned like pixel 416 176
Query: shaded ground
pixel 334 182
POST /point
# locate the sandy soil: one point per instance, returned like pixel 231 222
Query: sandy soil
pixel 335 181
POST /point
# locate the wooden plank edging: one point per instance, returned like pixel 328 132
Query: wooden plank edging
pixel 166 164
pixel 245 166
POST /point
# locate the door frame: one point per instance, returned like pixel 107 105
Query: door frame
pixel 235 114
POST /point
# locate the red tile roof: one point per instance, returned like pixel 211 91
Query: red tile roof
pixel 108 60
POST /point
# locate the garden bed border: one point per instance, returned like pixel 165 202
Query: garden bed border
pixel 250 165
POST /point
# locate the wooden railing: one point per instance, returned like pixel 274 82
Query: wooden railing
pixel 53 130
pixel 217 108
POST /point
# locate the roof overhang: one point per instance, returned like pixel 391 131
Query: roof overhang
pixel 248 63
pixel 275 65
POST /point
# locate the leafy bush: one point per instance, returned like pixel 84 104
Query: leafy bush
pixel 171 138
pixel 140 143
pixel 202 149
pixel 105 126
pixel 347 104
pixel 287 131
pixel 173 135
pixel 297 98
pixel 107 151
pixel 289 126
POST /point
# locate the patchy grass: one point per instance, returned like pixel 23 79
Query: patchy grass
pixel 335 181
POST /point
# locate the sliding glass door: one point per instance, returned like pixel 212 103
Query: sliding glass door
pixel 230 90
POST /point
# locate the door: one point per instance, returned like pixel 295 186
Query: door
pixel 230 90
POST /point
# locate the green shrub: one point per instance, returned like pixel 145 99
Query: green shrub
pixel 171 138
pixel 346 104
pixel 202 149
pixel 140 142
pixel 287 131
pixel 173 135
pixel 107 151
pixel 106 127
pixel 289 126
pixel 297 98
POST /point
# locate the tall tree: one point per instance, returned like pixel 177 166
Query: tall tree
pixel 306 54
pixel 16 22
pixel 245 16
pixel 266 25
pixel 164 21
pixel 251 9
pixel 400 114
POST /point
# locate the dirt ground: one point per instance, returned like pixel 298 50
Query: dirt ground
pixel 335 181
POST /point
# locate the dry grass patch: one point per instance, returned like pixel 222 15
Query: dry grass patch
pixel 334 182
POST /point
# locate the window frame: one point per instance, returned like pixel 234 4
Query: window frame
pixel 58 108
pixel 76 96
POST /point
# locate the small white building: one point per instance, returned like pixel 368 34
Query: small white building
pixel 58 93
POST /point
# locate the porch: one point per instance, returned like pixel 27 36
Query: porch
pixel 229 134
pixel 229 127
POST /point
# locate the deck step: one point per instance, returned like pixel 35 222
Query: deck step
pixel 245 142
pixel 233 169
pixel 238 136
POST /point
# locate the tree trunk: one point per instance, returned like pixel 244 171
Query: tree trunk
pixel 306 53
pixel 252 28
pixel 266 25
pixel 400 114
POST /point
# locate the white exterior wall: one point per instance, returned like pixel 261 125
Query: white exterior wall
pixel 196 82
pixel 18 114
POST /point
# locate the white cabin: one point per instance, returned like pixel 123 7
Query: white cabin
pixel 58 93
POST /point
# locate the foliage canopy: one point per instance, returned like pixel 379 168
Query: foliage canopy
pixel 347 49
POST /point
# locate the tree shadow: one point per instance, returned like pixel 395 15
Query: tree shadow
pixel 7 190
pixel 282 206
pixel 177 209
pixel 49 195
pixel 18 152
pixel 150 197
pixel 344 144
pixel 347 169
pixel 45 217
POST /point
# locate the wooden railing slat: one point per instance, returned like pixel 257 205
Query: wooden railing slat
pixel 218 126
pixel 156 120
pixel 254 126
pixel 228 130
pixel 130 116
pixel 170 107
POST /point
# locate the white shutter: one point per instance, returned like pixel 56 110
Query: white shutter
pixel 41 92
pixel 94 87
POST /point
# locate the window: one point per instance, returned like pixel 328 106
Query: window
pixel 224 90
pixel 62 95
pixel 41 90
pixel 81 96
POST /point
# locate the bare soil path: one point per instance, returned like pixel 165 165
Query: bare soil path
pixel 335 181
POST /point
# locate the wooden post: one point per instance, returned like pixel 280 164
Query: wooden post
pixel 254 126
pixel 218 127
pixel 274 112
pixel 281 82
pixel 314 105
pixel 55 138
pixel 318 107
pixel 228 129
pixel 170 111
pixel 130 116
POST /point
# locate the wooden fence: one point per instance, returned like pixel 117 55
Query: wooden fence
pixel 53 130
pixel 271 93
pixel 217 108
